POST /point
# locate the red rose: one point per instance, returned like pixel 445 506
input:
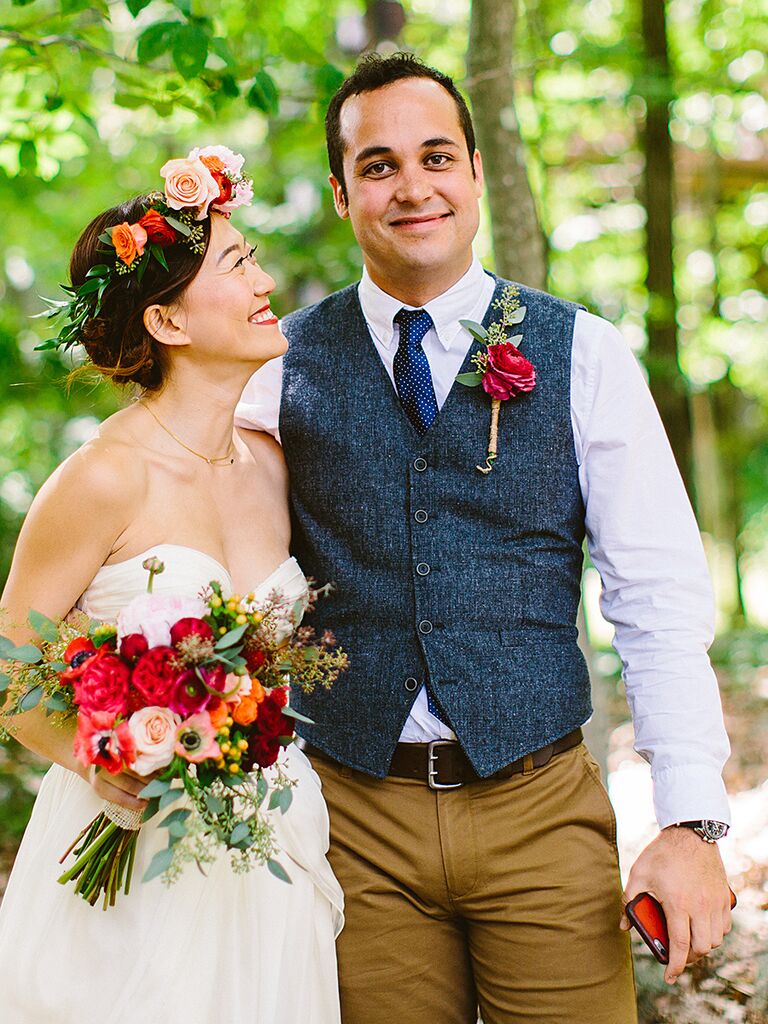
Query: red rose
pixel 77 654
pixel 216 166
pixel 104 684
pixel 155 675
pixel 190 627
pixel 133 646
pixel 263 751
pixel 509 373
pixel 271 721
pixel 158 229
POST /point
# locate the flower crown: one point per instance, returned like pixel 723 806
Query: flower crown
pixel 207 180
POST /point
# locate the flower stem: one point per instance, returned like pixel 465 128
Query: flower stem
pixel 493 440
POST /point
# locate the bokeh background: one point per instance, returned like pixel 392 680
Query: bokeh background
pixel 627 162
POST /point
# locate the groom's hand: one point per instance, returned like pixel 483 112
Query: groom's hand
pixel 687 877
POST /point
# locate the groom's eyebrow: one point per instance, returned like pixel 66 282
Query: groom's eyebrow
pixel 369 151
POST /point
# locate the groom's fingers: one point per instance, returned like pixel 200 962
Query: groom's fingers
pixel 679 927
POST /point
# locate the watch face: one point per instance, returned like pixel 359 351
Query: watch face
pixel 714 829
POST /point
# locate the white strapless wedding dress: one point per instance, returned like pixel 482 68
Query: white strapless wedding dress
pixel 226 949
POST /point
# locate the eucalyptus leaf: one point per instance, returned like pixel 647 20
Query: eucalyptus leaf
pixel 151 809
pixel 155 788
pixel 475 329
pixel 286 799
pixel 278 871
pixel 28 654
pixel 57 702
pixel 180 814
pixel 240 832
pixel 274 800
pixel 169 797
pixel 179 225
pixel 293 713
pixel 5 682
pixel 231 637
pixel 177 829
pixel 159 864
pixel 43 626
pixel 30 699
pixel 261 789
pixel 470 380
pixel 214 804
pixel 518 315
pixel 516 339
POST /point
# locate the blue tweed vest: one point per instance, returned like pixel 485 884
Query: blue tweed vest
pixel 442 575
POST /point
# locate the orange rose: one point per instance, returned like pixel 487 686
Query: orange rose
pixel 129 241
pixel 247 711
pixel 219 712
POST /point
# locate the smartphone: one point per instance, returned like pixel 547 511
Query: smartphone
pixel 647 915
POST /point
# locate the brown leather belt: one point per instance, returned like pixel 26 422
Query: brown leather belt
pixel 442 764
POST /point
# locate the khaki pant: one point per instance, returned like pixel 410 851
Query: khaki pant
pixel 503 895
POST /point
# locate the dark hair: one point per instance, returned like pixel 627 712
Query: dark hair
pixel 116 341
pixel 374 72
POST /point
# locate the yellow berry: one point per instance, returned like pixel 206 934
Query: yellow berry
pixel 220 763
pixel 234 769
pixel 242 744
pixel 224 730
pixel 216 601
pixel 241 619
pixel 229 722
pixel 222 630
pixel 225 747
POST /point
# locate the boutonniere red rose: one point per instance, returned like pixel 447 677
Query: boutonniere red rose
pixel 502 370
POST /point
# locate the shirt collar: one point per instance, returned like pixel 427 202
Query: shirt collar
pixel 460 301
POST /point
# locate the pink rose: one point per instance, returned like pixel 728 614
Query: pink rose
pixel 104 684
pixel 509 373
pixel 242 195
pixel 189 183
pixel 154 737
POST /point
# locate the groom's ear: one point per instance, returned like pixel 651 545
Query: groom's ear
pixel 339 197
pixel 165 325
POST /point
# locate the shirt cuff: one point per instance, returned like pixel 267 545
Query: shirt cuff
pixel 689 792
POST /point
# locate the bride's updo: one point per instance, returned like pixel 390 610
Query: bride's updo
pixel 116 340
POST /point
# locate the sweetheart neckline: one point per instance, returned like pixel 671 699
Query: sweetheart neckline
pixel 186 547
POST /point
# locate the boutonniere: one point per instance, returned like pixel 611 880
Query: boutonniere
pixel 502 369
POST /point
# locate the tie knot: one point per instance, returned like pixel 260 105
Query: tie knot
pixel 413 323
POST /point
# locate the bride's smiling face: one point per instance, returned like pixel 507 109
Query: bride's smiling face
pixel 225 312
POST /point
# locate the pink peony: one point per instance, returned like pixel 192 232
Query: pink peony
pixel 154 736
pixel 153 615
pixel 189 183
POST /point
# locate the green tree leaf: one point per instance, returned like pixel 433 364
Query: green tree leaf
pixel 189 48
pixel 263 94
pixel 155 40
pixel 137 6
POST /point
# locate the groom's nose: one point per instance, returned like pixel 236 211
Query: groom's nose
pixel 413 185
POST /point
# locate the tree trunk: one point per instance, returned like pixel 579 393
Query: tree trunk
pixel 666 379
pixel 518 243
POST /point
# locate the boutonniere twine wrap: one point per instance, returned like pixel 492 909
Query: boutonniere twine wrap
pixel 502 370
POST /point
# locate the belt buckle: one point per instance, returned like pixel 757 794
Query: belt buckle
pixel 432 770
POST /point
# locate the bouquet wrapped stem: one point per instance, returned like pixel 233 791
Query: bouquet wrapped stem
pixel 105 854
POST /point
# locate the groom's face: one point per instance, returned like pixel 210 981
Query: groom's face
pixel 412 188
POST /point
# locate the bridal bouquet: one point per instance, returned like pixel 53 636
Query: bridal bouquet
pixel 192 692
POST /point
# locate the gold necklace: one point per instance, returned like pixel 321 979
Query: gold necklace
pixel 227 459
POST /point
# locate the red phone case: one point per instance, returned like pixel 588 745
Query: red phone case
pixel 647 915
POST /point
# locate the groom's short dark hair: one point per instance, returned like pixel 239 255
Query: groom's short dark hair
pixel 374 72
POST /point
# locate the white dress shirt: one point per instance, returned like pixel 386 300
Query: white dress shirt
pixel 641 534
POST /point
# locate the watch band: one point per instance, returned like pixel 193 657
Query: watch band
pixel 707 829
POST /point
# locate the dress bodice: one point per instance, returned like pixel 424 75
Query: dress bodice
pixel 187 571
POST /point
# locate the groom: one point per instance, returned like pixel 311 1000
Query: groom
pixel 469 828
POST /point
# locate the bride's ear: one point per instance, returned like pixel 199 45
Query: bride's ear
pixel 165 325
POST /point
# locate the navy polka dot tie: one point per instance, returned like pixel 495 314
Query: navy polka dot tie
pixel 413 377
pixel 413 380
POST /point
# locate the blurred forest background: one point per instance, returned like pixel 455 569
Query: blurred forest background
pixel 628 170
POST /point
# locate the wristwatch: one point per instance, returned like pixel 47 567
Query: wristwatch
pixel 710 831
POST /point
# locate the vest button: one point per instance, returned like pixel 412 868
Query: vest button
pixel 410 684
pixel 420 515
pixel 425 627
pixel 419 464
pixel 422 569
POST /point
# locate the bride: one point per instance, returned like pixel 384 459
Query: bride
pixel 184 314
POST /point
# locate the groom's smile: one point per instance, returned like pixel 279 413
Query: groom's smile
pixel 411 188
